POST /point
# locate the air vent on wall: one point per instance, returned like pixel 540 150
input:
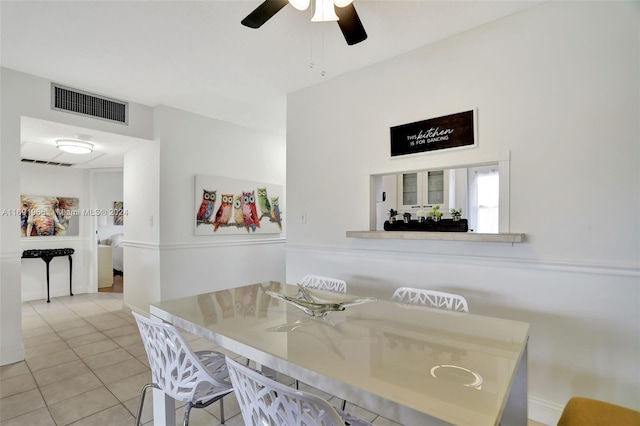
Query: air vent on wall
pixel 48 163
pixel 88 104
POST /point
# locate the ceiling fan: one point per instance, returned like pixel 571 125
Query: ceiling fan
pixel 342 11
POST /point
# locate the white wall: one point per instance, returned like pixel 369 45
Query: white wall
pixel 557 86
pixel 24 95
pixel 38 179
pixel 186 145
pixel 141 246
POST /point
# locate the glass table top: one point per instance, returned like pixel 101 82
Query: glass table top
pixel 453 366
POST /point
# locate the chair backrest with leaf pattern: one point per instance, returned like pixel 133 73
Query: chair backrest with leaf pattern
pixel 324 283
pixel 431 298
pixel 264 401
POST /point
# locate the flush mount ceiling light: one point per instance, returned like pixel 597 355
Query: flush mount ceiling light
pixel 73 146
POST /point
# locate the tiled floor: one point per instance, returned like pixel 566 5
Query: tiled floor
pixel 85 365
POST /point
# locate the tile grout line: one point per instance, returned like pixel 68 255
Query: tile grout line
pixel 79 357
pixel 91 369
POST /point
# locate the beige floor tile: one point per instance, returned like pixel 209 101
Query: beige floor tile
pixel 107 358
pixel 37 417
pixel 144 359
pixel 114 416
pixel 66 322
pixel 126 328
pixel 81 406
pixel 124 369
pixel 46 349
pixel 40 340
pixel 77 331
pixel 12 370
pixel 136 349
pixel 130 387
pixel 95 348
pixel 68 388
pixel 128 339
pixel 50 360
pixel 29 324
pixel 40 330
pixel 111 325
pixel 16 385
pixel 60 372
pixel 97 318
pixel 85 339
pixel 22 403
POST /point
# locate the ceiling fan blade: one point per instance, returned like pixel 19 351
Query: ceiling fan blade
pixel 263 13
pixel 350 24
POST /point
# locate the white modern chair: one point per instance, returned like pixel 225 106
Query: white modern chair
pixel 197 378
pixel 264 401
pixel 324 283
pixel 431 298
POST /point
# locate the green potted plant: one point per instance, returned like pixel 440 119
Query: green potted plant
pixel 435 213
pixel 392 215
pixel 456 214
pixel 407 217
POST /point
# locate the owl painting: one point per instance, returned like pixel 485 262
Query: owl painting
pixel 206 207
pixel 275 212
pixel 237 210
pixel 249 212
pixel 263 202
pixel 224 211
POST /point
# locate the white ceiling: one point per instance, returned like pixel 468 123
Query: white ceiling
pixel 196 56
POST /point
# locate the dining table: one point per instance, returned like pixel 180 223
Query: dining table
pixel 411 364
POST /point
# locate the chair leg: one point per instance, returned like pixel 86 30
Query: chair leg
pixel 141 402
pixel 344 404
pixel 222 410
pixel 186 414
pixel 297 384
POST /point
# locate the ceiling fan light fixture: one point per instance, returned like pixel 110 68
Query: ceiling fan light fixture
pixel 73 146
pixel 324 12
pixel 300 4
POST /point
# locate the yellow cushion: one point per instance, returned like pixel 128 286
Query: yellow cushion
pixel 590 412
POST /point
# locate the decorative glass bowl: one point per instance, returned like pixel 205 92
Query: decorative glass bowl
pixel 319 305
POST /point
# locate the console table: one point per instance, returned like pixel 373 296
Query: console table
pixel 47 255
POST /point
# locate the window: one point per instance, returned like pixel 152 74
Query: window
pixel 484 199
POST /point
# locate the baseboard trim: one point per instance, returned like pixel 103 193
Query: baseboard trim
pixel 545 412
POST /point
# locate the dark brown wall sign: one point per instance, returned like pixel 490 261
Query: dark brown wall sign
pixel 449 131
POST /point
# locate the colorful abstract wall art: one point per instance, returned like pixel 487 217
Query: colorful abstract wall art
pixel 225 206
pixel 118 213
pixel 49 216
